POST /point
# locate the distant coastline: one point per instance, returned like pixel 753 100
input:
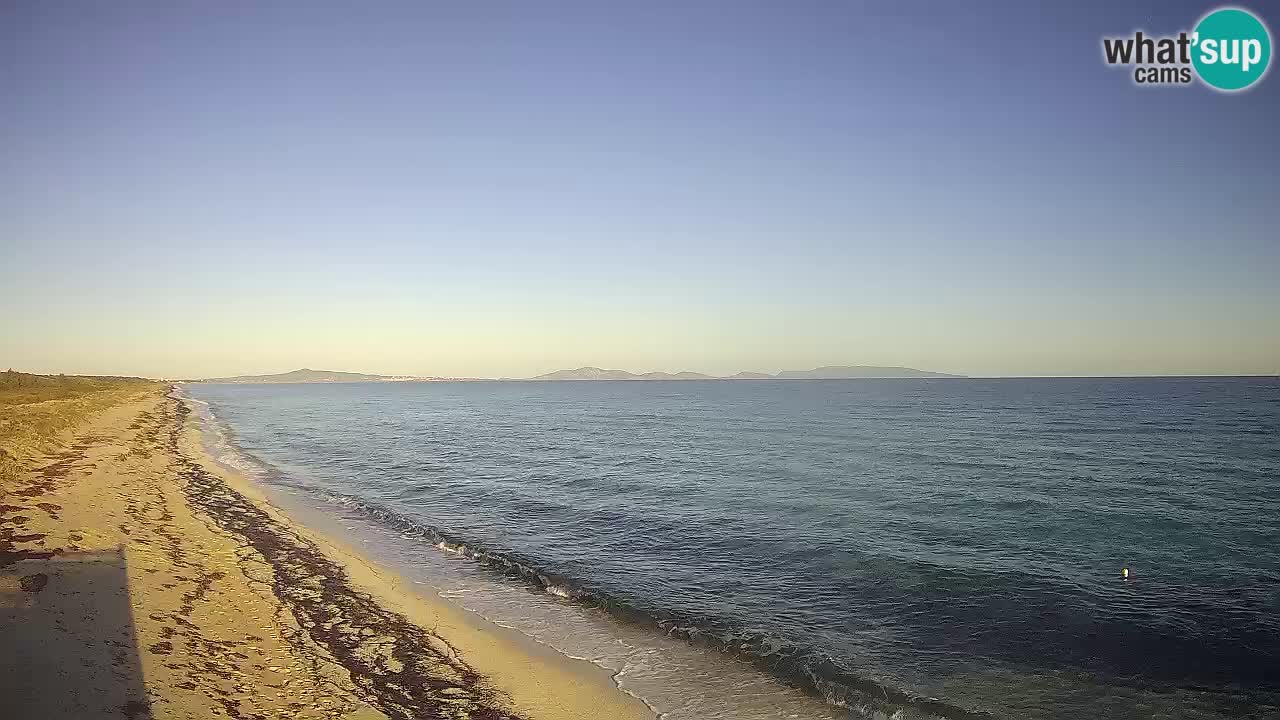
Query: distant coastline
pixel 307 375
pixel 826 372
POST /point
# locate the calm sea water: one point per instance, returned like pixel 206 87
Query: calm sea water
pixel 932 548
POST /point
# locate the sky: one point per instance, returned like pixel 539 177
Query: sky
pixel 486 189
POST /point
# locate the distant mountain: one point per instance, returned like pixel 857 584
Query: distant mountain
pixel 595 373
pixel 588 373
pixel 829 372
pixel 307 375
pixel 686 375
pixel 844 372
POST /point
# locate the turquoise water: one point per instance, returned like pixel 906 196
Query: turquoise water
pixel 936 548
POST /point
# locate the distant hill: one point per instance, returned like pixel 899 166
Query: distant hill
pixel 686 375
pixel 306 375
pixel 829 372
pixel 843 372
pixel 588 373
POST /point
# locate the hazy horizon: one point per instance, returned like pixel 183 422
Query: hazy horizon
pixel 640 371
pixel 507 190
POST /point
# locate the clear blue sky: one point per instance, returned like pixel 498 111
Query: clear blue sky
pixel 505 188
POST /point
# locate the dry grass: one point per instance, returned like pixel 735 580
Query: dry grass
pixel 38 411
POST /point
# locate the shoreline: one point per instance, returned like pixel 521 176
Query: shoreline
pixel 758 691
pixel 782 689
pixel 503 652
pixel 159 584
pixel 398 490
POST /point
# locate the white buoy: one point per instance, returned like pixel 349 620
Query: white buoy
pixel 1125 573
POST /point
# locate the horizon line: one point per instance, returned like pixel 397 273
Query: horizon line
pixel 771 376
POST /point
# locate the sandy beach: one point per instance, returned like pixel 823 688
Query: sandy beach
pixel 139 579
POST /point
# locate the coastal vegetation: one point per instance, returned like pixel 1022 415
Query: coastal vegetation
pixel 37 410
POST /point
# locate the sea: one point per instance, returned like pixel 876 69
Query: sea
pixel 741 550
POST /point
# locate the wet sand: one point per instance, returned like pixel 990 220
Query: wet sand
pixel 139 579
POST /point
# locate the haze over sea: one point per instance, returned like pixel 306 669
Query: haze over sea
pixel 948 547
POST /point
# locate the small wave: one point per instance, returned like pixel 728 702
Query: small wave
pixel 221 443
pixel 796 666
pixel 558 591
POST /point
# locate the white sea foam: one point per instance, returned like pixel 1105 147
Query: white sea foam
pixel 676 680
pixel 559 591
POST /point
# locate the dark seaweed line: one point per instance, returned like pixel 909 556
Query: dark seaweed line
pixel 398 667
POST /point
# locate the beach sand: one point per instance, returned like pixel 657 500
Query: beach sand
pixel 140 579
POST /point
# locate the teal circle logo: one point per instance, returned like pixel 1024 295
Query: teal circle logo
pixel 1232 49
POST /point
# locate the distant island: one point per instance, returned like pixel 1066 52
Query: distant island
pixel 307 375
pixel 828 372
